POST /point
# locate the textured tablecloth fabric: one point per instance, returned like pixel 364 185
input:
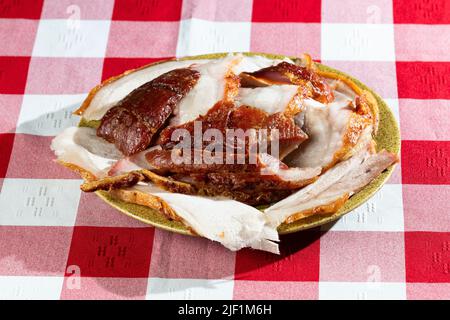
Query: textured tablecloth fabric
pixel 59 243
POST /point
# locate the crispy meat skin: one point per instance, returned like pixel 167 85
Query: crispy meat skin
pixel 131 124
pixel 224 115
pixel 244 187
pixel 123 181
pixel 162 162
pixel 241 182
pixel 250 197
pixel 247 187
pixel 288 73
pixel 131 178
pixel 234 181
pixel 289 134
pixel 216 118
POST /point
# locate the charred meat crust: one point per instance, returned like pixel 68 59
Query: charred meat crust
pixel 131 124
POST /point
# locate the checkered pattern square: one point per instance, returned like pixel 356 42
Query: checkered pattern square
pixel 23 37
pixel 363 11
pixel 286 11
pixel 80 9
pixel 39 202
pixel 11 108
pixel 94 212
pixel 60 243
pixel 431 112
pixel 31 161
pixel 21 9
pixel 198 36
pixel 298 261
pixel 189 258
pixel 47 115
pixel 111 251
pixel 13 74
pixel 142 39
pixel 425 162
pixel 67 38
pixel 75 287
pixel 156 10
pixel 277 37
pixel 426 256
pixel 25 252
pixel 421 12
pixel 231 10
pixel 6 144
pixel 70 75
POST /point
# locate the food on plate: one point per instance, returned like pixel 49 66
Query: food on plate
pixel 231 147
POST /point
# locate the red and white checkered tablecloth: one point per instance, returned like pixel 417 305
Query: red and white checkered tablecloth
pixel 59 243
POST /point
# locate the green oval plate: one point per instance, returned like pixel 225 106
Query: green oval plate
pixel 388 137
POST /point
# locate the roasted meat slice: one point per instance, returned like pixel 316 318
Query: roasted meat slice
pixel 246 118
pixel 265 181
pixel 221 185
pixel 288 73
pixel 277 126
pixel 133 121
pixel 234 224
pixel 334 129
pixel 107 94
pixel 225 116
pixel 165 162
pixel 322 122
pixel 217 83
pixel 328 193
pixel 253 188
pixel 132 178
